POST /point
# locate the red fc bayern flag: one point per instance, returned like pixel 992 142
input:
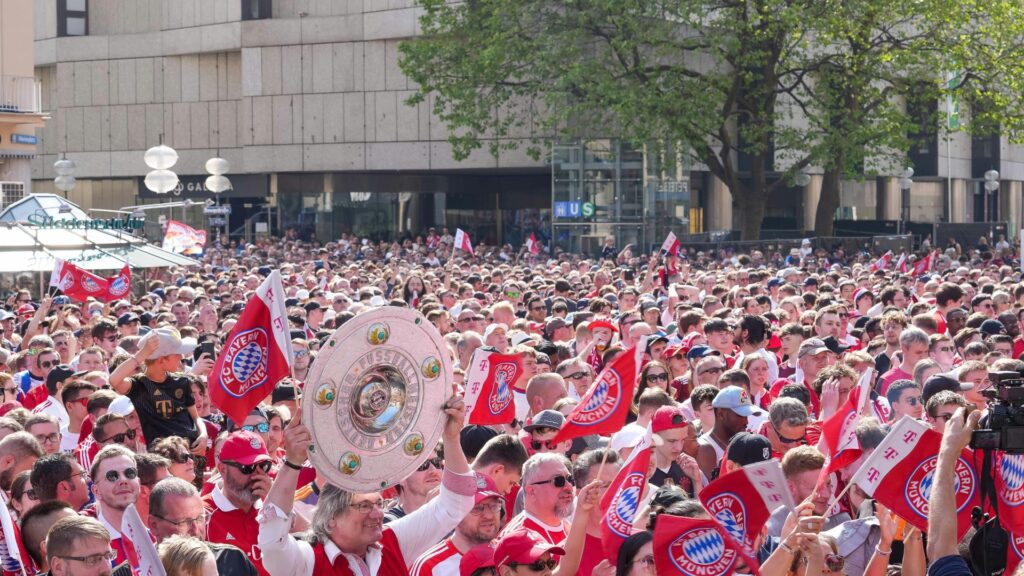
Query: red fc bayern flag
pixel 882 263
pixel 698 546
pixel 671 244
pixel 532 245
pixel 603 409
pixel 621 502
pixel 923 265
pixel 121 285
pixel 838 438
pixel 1010 491
pixel 462 241
pixel 1014 551
pixel 77 283
pixel 900 473
pixel 744 499
pixel 489 397
pixel 256 356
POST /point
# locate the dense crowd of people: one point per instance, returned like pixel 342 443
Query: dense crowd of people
pixel 106 408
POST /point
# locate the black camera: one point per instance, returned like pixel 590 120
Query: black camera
pixel 1003 427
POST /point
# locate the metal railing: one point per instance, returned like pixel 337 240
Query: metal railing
pixel 21 94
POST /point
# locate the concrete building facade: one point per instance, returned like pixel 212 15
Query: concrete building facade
pixel 306 100
pixel 20 105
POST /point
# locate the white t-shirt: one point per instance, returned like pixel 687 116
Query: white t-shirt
pixel 54 408
pixel 68 440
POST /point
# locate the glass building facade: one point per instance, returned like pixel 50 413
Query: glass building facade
pixel 607 188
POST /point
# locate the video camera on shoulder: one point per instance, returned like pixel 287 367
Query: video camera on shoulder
pixel 1003 427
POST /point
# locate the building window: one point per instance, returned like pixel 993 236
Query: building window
pixel 11 192
pixel 72 17
pixel 255 9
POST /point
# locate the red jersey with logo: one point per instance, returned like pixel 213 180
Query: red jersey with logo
pixel 231 525
pixel 441 560
pixel 551 534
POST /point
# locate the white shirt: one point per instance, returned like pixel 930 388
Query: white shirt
pixel 416 532
pixel 53 407
pixel 68 440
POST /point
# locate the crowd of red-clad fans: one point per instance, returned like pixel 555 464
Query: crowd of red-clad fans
pixel 805 413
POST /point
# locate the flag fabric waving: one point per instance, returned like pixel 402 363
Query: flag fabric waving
pixel 882 263
pixel 603 409
pixel 697 546
pixel 77 283
pixel 744 499
pixel 489 396
pixel 901 264
pixel 120 285
pixel 181 238
pixel 13 556
pixel 256 356
pixel 838 437
pixel 532 245
pixel 462 241
pixel 923 265
pixel 621 501
pixel 671 244
pixel 900 472
pixel 1010 491
pixel 134 530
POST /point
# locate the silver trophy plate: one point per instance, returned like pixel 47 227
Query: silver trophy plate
pixel 374 399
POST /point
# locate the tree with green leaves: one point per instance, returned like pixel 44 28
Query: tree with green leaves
pixel 758 90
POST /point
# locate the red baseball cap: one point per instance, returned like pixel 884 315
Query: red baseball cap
pixel 244 448
pixel 523 547
pixel 479 557
pixel 602 323
pixel 674 350
pixel 26 310
pixel 485 488
pixel 668 418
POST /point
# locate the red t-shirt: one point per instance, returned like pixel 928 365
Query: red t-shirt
pixel 891 376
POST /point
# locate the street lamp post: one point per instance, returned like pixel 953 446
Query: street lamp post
pixel 906 183
pixel 991 185
pixel 65 180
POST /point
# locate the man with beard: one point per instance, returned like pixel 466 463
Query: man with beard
pixel 244 468
pixel 548 488
pixel 115 477
pixel 479 527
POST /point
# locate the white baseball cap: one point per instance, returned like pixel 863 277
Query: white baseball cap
pixel 171 342
pixel 122 406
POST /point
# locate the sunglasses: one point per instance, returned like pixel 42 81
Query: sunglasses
pixel 84 400
pixel 663 377
pixel 558 481
pixel 436 462
pixel 300 353
pixel 538 309
pixel 248 469
pixel 538 566
pixel 262 427
pixel 716 370
pixel 47 363
pixel 119 438
pixel 114 475
pixel 11 390
pixel 576 375
pixel 913 401
pixel 785 440
pixel 512 294
pixel 31 494
pixel 180 457
pixel 538 444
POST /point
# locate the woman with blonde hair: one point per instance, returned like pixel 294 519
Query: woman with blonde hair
pixel 185 556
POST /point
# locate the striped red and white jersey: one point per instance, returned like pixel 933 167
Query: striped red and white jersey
pixel 441 560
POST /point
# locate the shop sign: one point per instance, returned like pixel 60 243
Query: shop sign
pixel 194 187
pixel 23 139
pixel 588 209
pixel 49 222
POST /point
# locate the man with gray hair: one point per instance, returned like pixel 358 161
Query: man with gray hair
pixel 547 488
pixel 176 509
pixel 914 344
pixel 787 425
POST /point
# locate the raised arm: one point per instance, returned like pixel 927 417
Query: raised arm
pixel 119 378
pixel 942 539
